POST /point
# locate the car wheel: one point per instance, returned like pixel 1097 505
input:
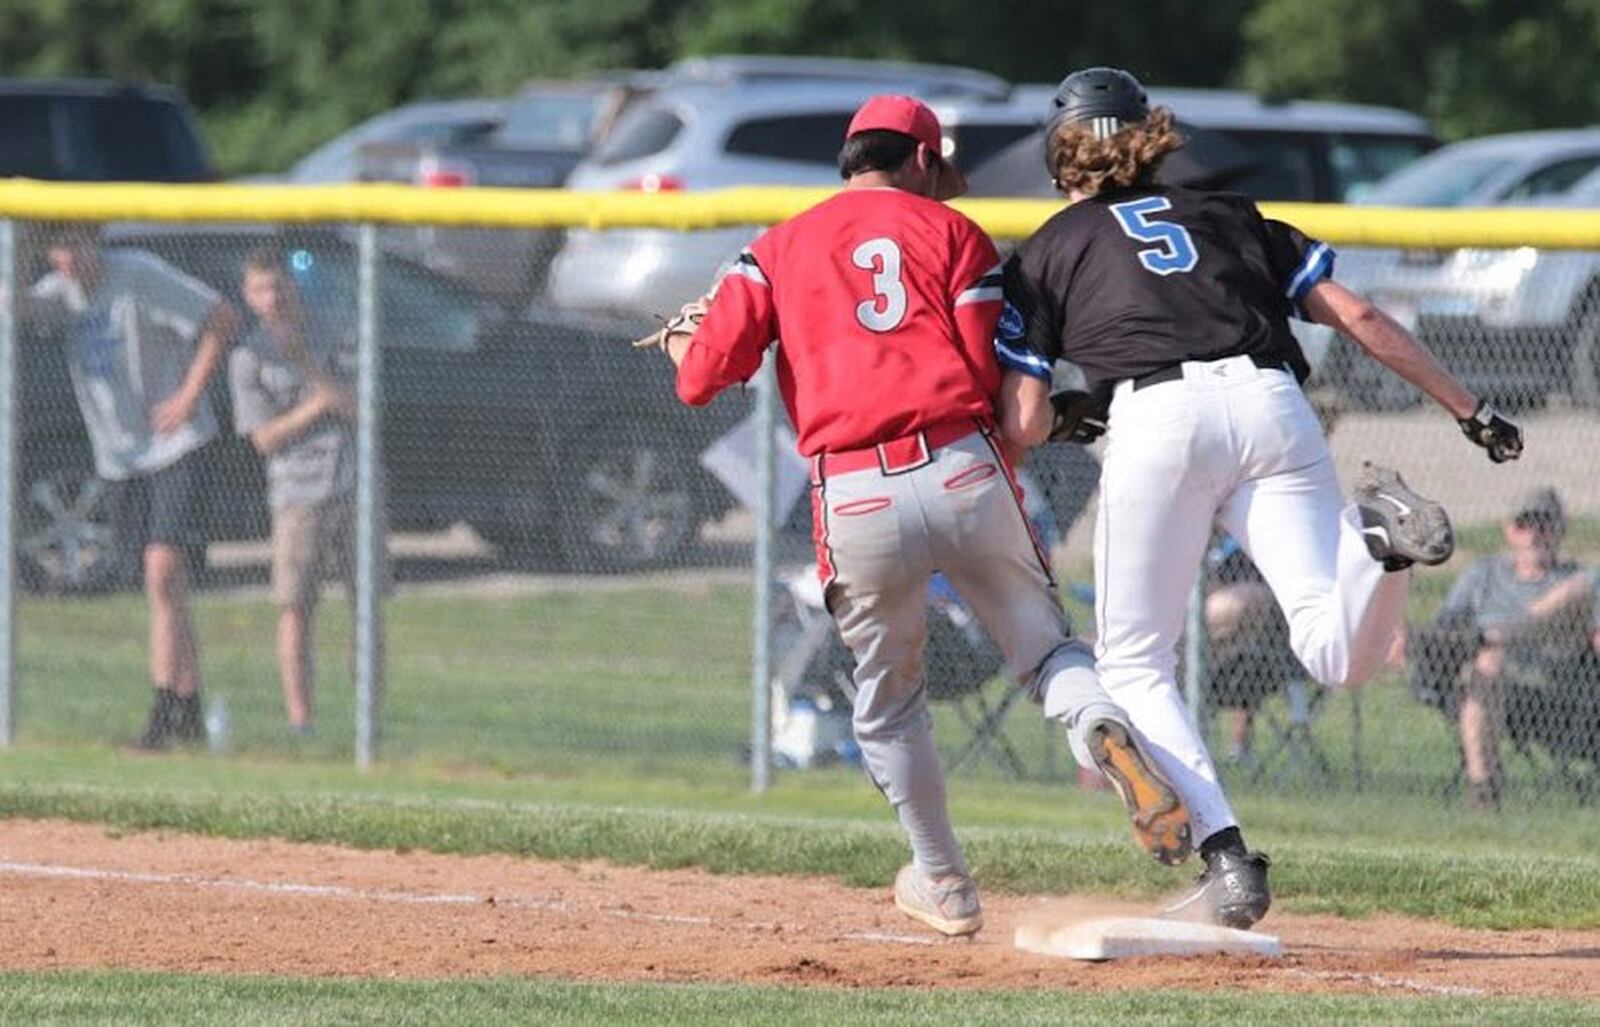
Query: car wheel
pixel 1586 357
pixel 523 531
pixel 626 504
pixel 68 536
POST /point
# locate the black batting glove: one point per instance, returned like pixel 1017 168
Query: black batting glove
pixel 1080 417
pixel 1486 427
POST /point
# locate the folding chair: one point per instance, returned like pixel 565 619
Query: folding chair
pixel 961 668
pixel 1292 746
pixel 1251 675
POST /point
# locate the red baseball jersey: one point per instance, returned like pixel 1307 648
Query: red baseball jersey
pixel 885 305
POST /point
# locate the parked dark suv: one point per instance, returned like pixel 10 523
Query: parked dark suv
pixel 77 130
pixel 543 430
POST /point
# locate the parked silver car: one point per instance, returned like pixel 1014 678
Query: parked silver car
pixel 1517 325
pixel 447 122
pixel 759 121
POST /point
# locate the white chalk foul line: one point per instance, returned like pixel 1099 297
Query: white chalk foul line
pixel 336 891
pixel 330 891
pixel 892 939
pixel 1381 981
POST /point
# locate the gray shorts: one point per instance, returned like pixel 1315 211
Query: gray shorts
pixel 314 541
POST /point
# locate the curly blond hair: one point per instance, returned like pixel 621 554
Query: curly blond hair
pixel 1081 163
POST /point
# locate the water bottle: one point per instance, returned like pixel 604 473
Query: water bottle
pixel 217 725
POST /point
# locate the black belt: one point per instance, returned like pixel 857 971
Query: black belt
pixel 1175 371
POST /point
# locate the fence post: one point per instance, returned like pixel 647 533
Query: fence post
pixel 8 481
pixel 1194 652
pixel 369 531
pixel 761 633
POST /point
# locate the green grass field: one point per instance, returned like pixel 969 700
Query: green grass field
pixel 611 725
pixel 136 999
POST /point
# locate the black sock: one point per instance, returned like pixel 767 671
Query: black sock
pixel 1226 840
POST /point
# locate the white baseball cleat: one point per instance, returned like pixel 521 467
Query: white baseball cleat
pixel 1400 526
pixel 949 906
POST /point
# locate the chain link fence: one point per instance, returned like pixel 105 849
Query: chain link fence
pixel 566 580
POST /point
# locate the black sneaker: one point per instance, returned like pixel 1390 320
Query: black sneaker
pixel 1231 892
pixel 1400 526
pixel 187 725
pixel 158 728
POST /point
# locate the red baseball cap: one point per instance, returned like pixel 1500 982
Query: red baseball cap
pixel 902 114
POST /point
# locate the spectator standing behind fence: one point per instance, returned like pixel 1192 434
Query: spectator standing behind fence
pixel 292 402
pixel 1534 615
pixel 143 341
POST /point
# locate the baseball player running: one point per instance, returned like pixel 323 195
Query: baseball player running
pixel 886 302
pixel 1175 303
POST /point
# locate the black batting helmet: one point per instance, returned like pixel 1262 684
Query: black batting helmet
pixel 1107 99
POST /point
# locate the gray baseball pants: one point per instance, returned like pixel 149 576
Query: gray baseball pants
pixel 881 533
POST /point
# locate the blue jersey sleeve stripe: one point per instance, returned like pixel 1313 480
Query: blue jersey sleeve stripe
pixel 1023 361
pixel 1317 266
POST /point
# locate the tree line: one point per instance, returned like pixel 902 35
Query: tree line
pixel 273 78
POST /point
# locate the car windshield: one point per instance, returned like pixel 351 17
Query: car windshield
pixel 1357 163
pixel 27 146
pixel 1265 165
pixel 1444 180
pixel 552 121
pixel 127 140
pixel 640 132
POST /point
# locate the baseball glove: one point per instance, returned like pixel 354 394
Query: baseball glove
pixel 1080 416
pixel 684 323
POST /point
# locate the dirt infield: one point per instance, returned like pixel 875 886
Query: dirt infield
pixel 73 895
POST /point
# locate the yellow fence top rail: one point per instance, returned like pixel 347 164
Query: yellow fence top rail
pixel 555 208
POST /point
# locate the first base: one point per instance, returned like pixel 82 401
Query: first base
pixel 1123 937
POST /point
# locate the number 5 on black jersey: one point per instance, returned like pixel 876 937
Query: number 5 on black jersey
pixel 1173 252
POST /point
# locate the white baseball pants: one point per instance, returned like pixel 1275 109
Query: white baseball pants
pixel 1237 445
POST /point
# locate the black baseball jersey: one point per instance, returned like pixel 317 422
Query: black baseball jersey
pixel 1138 280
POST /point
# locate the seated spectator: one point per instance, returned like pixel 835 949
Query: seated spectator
pixel 1249 658
pixel 292 402
pixel 1519 632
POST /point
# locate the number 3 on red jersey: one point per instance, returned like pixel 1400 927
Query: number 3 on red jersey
pixel 887 307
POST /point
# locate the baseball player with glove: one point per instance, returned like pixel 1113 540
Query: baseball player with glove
pixel 1176 304
pixel 886 302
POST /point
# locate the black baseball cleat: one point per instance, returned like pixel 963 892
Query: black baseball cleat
pixel 1160 819
pixel 158 729
pixel 1400 527
pixel 187 725
pixel 1231 892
